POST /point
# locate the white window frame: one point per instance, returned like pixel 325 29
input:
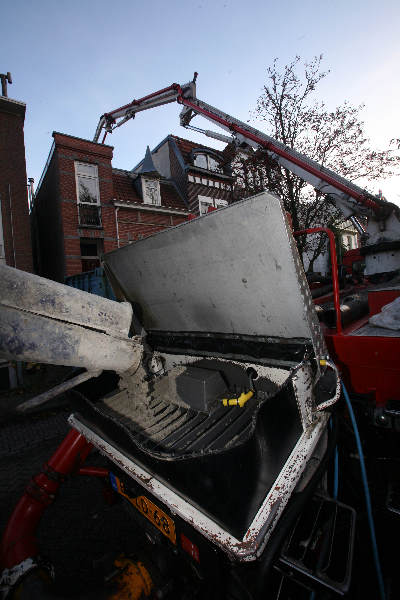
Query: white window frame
pixel 208 157
pixel 208 201
pixel 146 198
pixel 95 178
pixel 349 240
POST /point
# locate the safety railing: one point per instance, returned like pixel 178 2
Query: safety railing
pixel 335 277
pixel 89 215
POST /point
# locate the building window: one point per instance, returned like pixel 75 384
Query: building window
pixel 91 250
pixel 205 161
pixel 87 183
pixel 88 194
pixel 205 203
pixel 151 191
pixel 89 215
pixel 349 241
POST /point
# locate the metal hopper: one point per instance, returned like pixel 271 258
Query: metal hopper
pixel 225 397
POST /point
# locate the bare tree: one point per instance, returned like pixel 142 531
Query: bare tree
pixel 334 138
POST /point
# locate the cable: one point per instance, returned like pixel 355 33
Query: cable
pixel 367 495
pixel 336 475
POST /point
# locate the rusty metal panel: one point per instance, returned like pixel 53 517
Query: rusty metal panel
pixel 41 296
pixel 234 271
pixel 256 537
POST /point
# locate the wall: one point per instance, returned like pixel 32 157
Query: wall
pixel 178 173
pixel 47 227
pixel 135 224
pixel 70 149
pixel 56 206
pixel 161 160
pixel 13 185
pixel 206 188
pixel 56 219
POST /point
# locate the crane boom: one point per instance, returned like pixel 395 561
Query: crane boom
pixel 383 217
pixel 117 117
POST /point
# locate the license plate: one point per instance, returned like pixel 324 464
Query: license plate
pixel 148 509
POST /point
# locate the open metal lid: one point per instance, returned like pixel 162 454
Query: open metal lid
pixel 234 272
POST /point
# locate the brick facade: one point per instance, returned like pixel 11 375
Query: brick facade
pixel 15 245
pixel 136 224
pixel 207 188
pixel 57 230
pixel 65 244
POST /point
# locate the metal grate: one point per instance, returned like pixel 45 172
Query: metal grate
pixel 318 552
pixel 89 216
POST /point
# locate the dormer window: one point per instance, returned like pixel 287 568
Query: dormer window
pixel 151 191
pixel 207 162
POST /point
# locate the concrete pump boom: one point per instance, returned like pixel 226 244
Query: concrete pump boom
pixel 382 247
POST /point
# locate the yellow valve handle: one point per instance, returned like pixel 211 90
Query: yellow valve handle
pixel 326 362
pixel 241 401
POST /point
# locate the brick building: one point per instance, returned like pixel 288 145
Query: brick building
pixel 84 207
pixel 15 238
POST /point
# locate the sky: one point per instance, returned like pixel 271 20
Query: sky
pixel 72 61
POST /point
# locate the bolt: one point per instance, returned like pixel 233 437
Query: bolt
pixel 382 420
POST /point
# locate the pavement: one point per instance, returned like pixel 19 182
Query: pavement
pixel 80 529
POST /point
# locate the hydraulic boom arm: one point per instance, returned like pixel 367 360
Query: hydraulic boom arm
pixel 383 217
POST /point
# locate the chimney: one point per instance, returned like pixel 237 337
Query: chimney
pixel 4 78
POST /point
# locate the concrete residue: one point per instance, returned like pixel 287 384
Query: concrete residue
pixel 153 405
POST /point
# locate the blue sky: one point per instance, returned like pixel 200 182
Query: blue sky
pixel 72 61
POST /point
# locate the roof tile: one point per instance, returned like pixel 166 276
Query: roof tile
pixel 124 190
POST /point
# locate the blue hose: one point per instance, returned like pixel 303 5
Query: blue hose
pixel 367 495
